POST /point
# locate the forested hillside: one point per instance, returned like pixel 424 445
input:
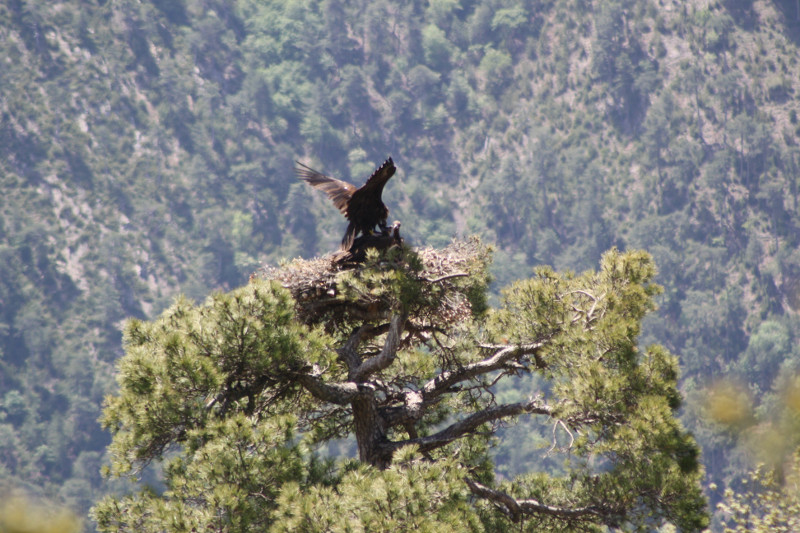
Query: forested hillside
pixel 146 150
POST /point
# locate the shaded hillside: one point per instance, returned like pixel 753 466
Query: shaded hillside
pixel 671 128
pixel 147 150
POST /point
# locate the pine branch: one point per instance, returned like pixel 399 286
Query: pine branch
pixel 514 508
pixel 501 359
pixel 471 423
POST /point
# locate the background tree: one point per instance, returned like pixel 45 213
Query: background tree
pixel 404 355
pixel 769 501
pixel 19 514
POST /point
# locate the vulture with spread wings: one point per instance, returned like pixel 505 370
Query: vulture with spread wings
pixel 362 207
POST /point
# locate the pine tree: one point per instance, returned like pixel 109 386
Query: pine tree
pixel 403 353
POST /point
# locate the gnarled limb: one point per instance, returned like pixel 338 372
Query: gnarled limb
pixel 503 356
pixel 472 422
pixel 348 353
pixel 388 353
pixel 338 393
pixel 514 508
pixel 416 402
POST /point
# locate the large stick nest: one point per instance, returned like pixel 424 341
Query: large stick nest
pixel 324 291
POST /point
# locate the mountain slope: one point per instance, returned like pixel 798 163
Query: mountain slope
pixel 146 150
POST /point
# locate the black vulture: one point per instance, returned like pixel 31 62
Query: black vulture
pixel 362 207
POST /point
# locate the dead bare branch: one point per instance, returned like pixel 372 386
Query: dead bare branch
pixel 561 423
pixel 449 276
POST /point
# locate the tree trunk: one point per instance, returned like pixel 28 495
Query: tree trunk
pixel 370 430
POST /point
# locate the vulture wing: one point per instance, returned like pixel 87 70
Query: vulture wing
pixel 370 192
pixel 337 190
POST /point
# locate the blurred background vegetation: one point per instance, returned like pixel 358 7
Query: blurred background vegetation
pixel 146 150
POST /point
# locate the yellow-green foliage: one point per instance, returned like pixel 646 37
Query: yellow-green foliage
pixel 769 501
pixel 19 514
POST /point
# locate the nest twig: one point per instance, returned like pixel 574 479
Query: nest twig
pixel 315 285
